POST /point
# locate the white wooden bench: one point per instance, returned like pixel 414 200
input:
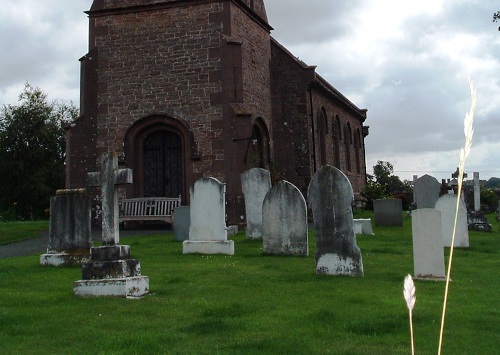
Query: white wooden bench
pixel 148 209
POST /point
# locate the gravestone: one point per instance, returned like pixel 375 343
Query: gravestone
pixel 182 221
pixel 111 271
pixel 70 235
pixel 330 196
pixel 284 221
pixel 388 212
pixel 447 205
pixel 426 191
pixel 207 231
pixel 428 251
pixel 477 193
pixel 255 184
pixel 363 226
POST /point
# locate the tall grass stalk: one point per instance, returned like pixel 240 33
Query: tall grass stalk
pixel 464 152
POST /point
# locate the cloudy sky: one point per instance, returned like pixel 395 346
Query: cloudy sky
pixel 407 62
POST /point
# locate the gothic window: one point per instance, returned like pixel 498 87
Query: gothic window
pixel 260 144
pixel 357 150
pixel 336 130
pixel 347 144
pixel 322 132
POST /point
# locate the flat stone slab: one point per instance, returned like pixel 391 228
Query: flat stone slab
pixel 208 247
pixel 63 259
pixel 130 287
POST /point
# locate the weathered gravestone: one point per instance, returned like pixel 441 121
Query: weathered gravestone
pixel 207 231
pixel 330 197
pixel 428 251
pixel 111 271
pixel 70 235
pixel 255 184
pixel 182 221
pixel 284 221
pixel 477 193
pixel 426 191
pixel 388 212
pixel 447 205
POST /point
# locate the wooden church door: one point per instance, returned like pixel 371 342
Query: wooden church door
pixel 162 165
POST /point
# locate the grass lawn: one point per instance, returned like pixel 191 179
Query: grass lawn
pixel 11 232
pixel 254 304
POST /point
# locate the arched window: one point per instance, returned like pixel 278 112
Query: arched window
pixel 357 150
pixel 260 144
pixel 336 130
pixel 322 133
pixel 347 145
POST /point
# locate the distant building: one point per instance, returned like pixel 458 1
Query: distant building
pixel 184 89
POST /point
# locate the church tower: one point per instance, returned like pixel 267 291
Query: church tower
pixel 184 89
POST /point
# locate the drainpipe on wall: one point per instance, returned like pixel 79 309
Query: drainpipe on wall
pixel 309 89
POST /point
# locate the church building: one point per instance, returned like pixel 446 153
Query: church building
pixel 183 89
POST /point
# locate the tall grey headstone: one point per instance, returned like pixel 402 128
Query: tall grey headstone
pixel 255 184
pixel 330 197
pixel 111 271
pixel 207 231
pixel 426 191
pixel 284 221
pixel 477 193
pixel 388 212
pixel 70 236
pixel 447 204
pixel 428 251
pixel 182 221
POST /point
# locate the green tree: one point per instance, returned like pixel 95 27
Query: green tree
pixel 32 151
pixel 383 184
pixel 496 17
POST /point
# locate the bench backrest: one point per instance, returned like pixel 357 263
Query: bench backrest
pixel 149 206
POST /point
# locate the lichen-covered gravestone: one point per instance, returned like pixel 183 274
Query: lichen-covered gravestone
pixel 255 184
pixel 111 271
pixel 207 231
pixel 284 221
pixel 182 221
pixel 330 196
pixel 426 191
pixel 447 204
pixel 428 252
pixel 70 236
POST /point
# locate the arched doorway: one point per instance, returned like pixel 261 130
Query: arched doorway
pixel 162 164
pixel 161 151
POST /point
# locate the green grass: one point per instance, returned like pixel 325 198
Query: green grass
pixel 254 304
pixel 11 232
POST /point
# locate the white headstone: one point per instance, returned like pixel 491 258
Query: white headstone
pixel 330 197
pixel 284 221
pixel 447 204
pixel 255 184
pixel 208 232
pixel 428 251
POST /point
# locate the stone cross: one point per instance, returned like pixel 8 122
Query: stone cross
pixel 109 178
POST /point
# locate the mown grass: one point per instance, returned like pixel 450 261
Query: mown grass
pixel 11 232
pixel 249 303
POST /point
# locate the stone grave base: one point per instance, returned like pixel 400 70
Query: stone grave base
pixel 430 278
pixel 63 259
pixel 363 226
pixel 231 230
pixel 332 264
pixel 130 287
pixel 208 247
